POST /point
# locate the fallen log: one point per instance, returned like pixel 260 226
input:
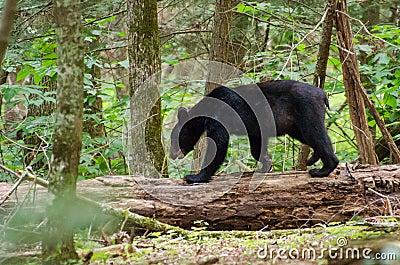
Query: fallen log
pixel 248 201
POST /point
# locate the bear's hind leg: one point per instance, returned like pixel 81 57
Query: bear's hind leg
pixel 260 153
pixel 313 159
pixel 319 140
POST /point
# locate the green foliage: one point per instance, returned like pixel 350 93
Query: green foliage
pixel 383 71
pixel 270 33
pixel 100 156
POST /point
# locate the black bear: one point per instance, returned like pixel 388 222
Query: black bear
pixel 260 111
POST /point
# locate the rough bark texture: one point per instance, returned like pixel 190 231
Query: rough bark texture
pixel 283 200
pixel 220 41
pixel 219 50
pixel 394 150
pixel 353 86
pixel 120 73
pixel 47 108
pixel 381 147
pixel 238 39
pixel 357 96
pixel 370 16
pixel 58 244
pixel 320 70
pixel 148 156
pixel 6 23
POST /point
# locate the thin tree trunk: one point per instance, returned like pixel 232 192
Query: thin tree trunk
pixel 216 72
pixel 148 155
pixel 119 73
pixel 219 42
pixel 238 39
pixel 91 126
pixel 45 109
pixel 320 70
pixel 6 23
pixel 354 89
pixel 381 147
pixel 58 244
pixel 370 16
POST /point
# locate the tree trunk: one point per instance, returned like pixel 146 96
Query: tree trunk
pixel 353 86
pixel 320 70
pixel 6 23
pixel 95 107
pixel 7 19
pixel 357 96
pixel 58 244
pixel 216 71
pixel 120 74
pixel 238 47
pixel 148 156
pixel 219 43
pixel 282 200
pixel 381 147
pixel 370 16
pixel 45 109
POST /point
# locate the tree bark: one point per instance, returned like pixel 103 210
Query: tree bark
pixel 219 50
pixel 58 241
pixel 148 156
pixel 91 125
pixel 370 16
pixel 357 96
pixel 219 42
pixel 238 47
pixel 6 23
pixel 354 89
pixel 282 200
pixel 381 147
pixel 320 70
pixel 45 109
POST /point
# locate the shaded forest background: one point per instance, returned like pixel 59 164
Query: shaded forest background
pixel 267 41
pixel 123 43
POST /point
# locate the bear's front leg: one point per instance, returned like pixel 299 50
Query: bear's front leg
pixel 217 145
pixel 197 178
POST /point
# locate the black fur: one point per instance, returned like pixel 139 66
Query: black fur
pixel 298 110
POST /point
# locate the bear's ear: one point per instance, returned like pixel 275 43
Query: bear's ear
pixel 183 115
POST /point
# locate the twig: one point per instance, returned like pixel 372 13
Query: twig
pixel 242 165
pixel 349 173
pixel 104 17
pixel 9 170
pixel 19 181
pixel 366 29
pixel 43 7
pixel 297 44
pixel 387 200
pixel 189 31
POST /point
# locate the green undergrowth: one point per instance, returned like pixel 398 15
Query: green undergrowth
pixel 317 245
pixel 335 243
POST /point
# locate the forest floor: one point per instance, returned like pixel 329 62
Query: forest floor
pixel 366 243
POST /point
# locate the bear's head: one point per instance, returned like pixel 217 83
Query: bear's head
pixel 184 135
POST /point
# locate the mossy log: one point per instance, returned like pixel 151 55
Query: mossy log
pixel 281 200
